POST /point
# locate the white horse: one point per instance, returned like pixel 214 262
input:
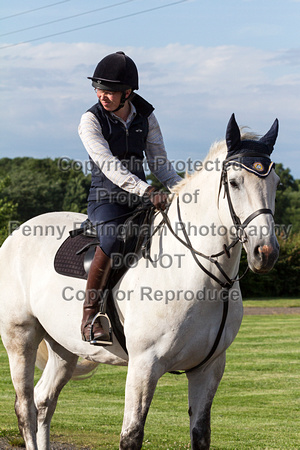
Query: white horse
pixel 180 311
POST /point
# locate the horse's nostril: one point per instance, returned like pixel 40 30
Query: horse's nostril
pixel 263 252
pixel 266 254
pixel 257 251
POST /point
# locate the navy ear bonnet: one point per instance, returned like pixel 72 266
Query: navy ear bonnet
pixel 249 154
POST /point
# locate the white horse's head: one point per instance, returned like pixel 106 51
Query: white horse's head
pixel 249 184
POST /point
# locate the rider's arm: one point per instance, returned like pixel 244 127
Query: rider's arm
pixel 157 157
pixel 98 149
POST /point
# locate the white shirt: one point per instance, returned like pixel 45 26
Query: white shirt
pixel 90 132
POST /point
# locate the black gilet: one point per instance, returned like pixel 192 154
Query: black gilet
pixel 127 144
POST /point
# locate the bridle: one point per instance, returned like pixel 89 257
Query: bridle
pixel 240 227
pixel 240 237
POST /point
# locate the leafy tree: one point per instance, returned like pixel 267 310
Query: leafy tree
pixel 42 185
pixel 293 210
pixel 29 187
pixel 75 198
pixel 287 209
pixel 7 211
pixel 156 183
pixel 282 280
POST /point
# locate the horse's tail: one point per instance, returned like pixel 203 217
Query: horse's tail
pixel 84 368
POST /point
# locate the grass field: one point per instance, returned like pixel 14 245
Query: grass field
pixel 256 407
pixel 273 303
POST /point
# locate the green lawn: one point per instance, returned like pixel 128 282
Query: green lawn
pixel 256 406
pixel 271 303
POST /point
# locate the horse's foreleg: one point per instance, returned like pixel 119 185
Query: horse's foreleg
pixel 140 386
pixel 21 342
pixel 203 384
pixel 57 373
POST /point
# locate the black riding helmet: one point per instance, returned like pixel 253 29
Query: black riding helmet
pixel 116 72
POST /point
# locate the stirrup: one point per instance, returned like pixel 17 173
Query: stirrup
pixel 99 341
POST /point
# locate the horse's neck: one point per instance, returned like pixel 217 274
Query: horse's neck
pixel 198 213
pixel 198 202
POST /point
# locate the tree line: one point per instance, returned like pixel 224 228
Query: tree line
pixel 30 186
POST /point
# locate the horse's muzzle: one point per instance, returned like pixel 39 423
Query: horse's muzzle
pixel 264 257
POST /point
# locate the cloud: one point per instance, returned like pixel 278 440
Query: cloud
pixel 44 91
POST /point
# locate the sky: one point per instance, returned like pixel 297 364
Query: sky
pixel 199 61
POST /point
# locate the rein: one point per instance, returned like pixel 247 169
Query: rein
pixel 187 243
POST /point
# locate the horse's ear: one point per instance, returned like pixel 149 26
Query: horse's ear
pixel 270 137
pixel 233 135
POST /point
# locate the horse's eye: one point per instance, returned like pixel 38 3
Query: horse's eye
pixel 233 184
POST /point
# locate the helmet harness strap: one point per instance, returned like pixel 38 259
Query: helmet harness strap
pixel 123 99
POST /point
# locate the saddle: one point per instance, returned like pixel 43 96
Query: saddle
pixel 74 256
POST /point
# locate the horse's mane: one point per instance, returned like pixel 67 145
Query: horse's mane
pixel 217 150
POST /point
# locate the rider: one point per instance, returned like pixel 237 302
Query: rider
pixel 116 133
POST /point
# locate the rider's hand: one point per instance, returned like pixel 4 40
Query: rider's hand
pixel 158 198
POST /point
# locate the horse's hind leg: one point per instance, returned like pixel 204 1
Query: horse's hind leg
pixel 203 384
pixel 21 341
pixel 57 373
